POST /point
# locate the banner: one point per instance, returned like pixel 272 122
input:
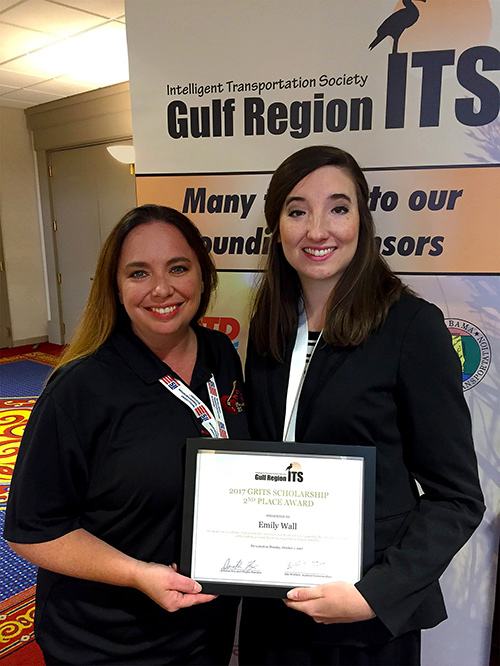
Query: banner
pixel 223 86
pixel 223 91
pixel 423 216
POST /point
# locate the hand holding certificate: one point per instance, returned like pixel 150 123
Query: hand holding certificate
pixel 260 519
pixel 331 603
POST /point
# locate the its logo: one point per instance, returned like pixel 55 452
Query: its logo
pixel 294 472
pixel 234 402
pixel 396 24
pixel 473 349
pixel 429 37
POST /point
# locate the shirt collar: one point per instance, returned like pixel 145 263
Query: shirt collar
pixel 145 363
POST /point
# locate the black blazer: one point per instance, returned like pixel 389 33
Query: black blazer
pixel 401 392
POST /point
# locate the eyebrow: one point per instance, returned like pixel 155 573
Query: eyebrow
pixel 142 264
pixel 333 197
pixel 175 260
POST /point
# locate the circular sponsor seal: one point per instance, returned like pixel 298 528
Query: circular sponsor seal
pixel 473 349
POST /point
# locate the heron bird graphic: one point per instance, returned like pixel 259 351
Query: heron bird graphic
pixel 395 24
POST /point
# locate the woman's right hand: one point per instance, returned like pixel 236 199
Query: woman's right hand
pixel 168 588
pixel 83 555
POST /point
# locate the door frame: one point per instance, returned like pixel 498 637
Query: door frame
pixel 6 324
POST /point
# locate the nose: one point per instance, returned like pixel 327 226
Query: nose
pixel 318 227
pixel 162 287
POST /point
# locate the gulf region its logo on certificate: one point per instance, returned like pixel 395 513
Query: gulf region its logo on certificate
pixel 473 349
pixel 294 472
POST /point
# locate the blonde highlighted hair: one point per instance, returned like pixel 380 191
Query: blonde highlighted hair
pixel 101 311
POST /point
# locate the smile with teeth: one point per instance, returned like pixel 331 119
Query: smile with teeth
pixel 318 252
pixel 166 310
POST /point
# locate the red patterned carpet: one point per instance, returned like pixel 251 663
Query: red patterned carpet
pixel 16 627
pixel 17 602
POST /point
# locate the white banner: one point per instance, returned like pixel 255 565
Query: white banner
pixel 220 86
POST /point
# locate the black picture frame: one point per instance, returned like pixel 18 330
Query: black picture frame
pixel 281 450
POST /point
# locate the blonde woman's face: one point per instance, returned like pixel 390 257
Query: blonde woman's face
pixel 159 282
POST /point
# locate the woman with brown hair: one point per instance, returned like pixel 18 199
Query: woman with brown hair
pixel 96 496
pixel 341 352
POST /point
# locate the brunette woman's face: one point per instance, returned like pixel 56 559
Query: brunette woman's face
pixel 319 226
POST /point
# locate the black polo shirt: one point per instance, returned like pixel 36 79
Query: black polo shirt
pixel 103 450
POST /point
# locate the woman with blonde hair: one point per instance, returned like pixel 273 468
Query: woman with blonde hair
pixel 96 495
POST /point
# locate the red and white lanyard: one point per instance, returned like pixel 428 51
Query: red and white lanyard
pixel 213 420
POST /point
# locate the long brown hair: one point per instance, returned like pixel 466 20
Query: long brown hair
pixel 362 297
pixel 100 314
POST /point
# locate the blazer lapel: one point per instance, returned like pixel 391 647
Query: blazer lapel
pixel 326 361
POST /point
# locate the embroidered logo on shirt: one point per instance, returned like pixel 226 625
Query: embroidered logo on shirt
pixel 234 402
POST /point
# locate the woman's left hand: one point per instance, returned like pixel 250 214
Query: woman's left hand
pixel 330 603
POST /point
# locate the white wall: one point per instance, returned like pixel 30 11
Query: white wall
pixel 21 229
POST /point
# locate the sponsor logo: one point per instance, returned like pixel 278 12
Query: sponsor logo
pixel 473 349
pixel 228 325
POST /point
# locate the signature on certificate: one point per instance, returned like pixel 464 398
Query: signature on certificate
pixel 304 566
pixel 250 567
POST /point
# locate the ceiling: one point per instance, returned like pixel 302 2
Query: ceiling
pixel 55 48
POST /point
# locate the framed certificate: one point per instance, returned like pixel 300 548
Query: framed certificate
pixel 263 517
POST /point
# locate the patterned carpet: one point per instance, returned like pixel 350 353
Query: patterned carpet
pixel 23 378
pixel 22 374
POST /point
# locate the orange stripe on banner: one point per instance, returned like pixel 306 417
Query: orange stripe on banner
pixel 428 220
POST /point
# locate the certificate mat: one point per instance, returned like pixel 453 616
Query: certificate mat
pixel 261 518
